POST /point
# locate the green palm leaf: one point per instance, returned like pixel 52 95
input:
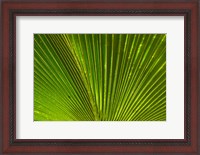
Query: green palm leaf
pixel 102 77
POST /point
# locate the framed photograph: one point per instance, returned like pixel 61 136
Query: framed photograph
pixel 100 77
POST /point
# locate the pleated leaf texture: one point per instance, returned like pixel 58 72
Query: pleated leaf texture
pixel 99 77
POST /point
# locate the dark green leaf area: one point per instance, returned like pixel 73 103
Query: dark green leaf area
pixel 100 77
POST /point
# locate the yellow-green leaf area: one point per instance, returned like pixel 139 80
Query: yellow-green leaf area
pixel 99 77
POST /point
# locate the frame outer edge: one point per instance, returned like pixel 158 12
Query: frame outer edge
pixel 198 30
pixel 5 74
pixel 1 81
pixel 194 78
pixel 5 77
pixel 194 69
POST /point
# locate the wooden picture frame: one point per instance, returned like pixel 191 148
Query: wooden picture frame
pixel 189 9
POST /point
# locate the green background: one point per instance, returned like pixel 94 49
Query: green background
pixel 100 77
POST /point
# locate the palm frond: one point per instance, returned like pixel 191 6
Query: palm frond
pixel 102 77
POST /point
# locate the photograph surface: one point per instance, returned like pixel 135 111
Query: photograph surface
pixel 99 77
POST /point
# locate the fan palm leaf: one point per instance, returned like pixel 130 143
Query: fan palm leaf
pixel 101 77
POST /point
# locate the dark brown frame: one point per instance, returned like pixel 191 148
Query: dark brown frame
pixel 12 8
